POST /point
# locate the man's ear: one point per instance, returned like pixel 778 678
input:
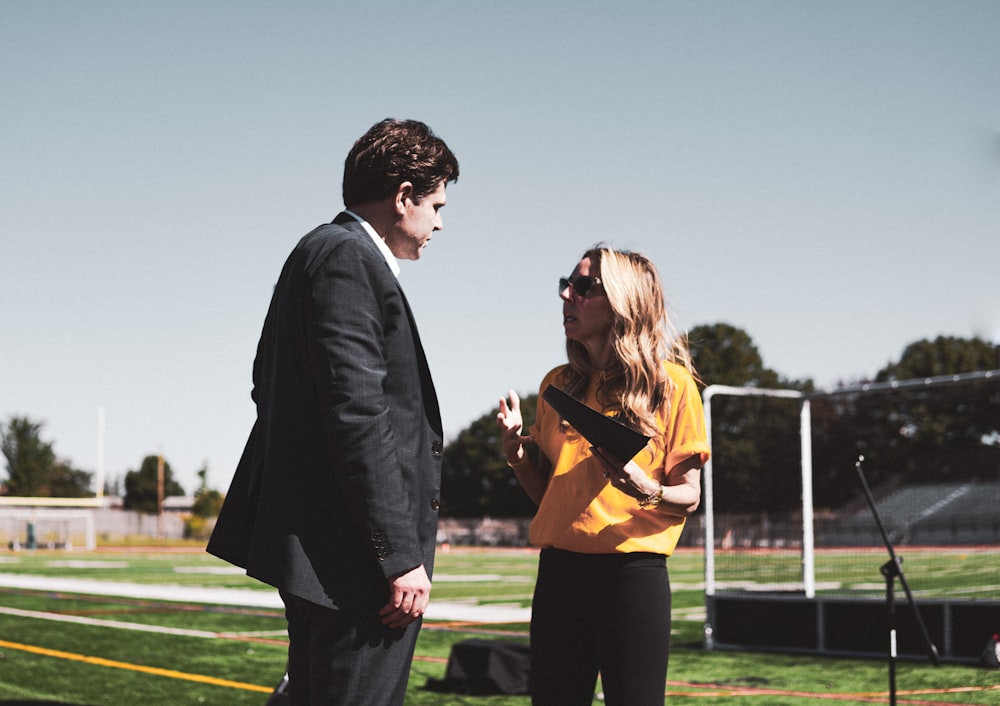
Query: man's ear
pixel 403 193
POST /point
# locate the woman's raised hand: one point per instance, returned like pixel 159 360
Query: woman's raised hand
pixel 511 423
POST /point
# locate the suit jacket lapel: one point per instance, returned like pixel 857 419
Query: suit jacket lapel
pixel 431 406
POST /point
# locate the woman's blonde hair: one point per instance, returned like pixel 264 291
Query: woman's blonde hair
pixel 634 383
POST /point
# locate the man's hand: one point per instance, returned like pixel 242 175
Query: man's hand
pixel 409 595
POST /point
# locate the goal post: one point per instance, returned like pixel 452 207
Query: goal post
pixel 935 443
pixel 806 460
pixel 30 522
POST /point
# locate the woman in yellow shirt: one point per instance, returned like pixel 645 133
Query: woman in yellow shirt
pixel 605 526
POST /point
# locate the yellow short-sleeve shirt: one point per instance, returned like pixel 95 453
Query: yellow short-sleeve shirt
pixel 580 510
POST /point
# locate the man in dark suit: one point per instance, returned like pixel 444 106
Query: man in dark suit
pixel 335 498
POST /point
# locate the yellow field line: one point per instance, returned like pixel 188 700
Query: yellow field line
pixel 101 662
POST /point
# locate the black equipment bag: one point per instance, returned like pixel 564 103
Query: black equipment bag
pixel 482 667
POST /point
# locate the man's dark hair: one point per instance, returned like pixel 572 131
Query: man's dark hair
pixel 394 151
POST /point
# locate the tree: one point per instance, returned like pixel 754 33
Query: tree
pixel 917 434
pixel 207 501
pixel 207 504
pixel 755 444
pixel 475 479
pixel 32 467
pixel 726 355
pixel 945 355
pixel 29 459
pixel 141 486
pixel 68 482
pixel 939 434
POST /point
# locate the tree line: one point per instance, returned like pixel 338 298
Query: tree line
pixel 34 470
pixel 933 435
pixel 929 435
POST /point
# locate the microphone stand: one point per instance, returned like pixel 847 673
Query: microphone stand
pixel 892 570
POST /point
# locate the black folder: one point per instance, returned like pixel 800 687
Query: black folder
pixel 598 429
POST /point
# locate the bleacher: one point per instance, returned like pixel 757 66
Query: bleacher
pixel 933 514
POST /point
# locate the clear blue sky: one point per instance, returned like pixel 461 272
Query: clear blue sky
pixel 824 175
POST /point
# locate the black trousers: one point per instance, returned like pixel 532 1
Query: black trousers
pixel 337 658
pixel 600 613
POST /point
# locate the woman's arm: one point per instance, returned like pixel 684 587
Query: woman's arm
pixel 532 475
pixel 679 495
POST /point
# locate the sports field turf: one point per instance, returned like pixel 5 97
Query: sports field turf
pixel 84 649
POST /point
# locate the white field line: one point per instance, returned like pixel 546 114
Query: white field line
pixel 121 625
pixel 243 597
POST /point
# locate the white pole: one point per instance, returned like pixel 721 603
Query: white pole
pixel 91 533
pixel 99 476
pixel 808 538
pixel 709 501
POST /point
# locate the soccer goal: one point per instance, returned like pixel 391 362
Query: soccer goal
pixel 43 523
pixel 785 514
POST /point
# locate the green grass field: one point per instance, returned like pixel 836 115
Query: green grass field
pixel 61 647
pixel 932 572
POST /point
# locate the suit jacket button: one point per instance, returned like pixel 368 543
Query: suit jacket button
pixel 436 447
pixel 435 504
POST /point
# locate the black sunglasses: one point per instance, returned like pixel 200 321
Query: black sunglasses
pixel 582 286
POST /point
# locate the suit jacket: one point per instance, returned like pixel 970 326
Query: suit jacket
pixel 338 486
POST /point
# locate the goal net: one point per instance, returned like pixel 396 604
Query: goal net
pixel 47 529
pixel 784 504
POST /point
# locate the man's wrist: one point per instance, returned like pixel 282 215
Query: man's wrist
pixel 400 574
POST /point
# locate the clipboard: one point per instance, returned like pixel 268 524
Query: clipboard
pixel 595 427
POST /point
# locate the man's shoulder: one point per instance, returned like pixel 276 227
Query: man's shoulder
pixel 321 242
pixel 338 231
